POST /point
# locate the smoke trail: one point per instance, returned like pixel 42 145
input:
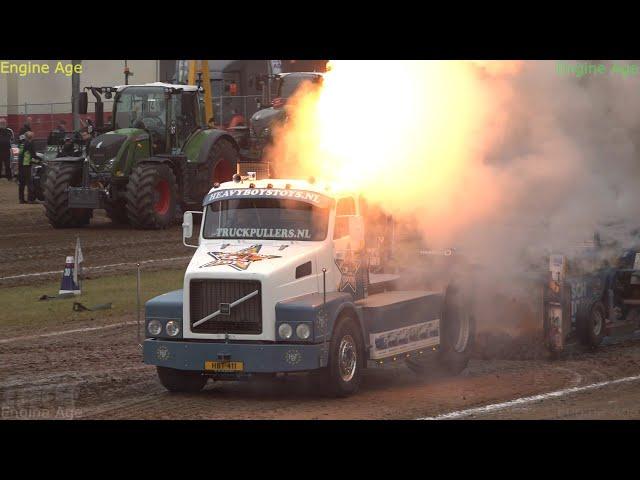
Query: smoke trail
pixel 504 160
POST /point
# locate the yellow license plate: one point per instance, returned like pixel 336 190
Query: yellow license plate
pixel 224 366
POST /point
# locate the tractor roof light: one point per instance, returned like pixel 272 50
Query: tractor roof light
pixel 216 185
pixel 236 178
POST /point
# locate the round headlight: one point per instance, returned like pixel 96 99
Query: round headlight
pixel 154 327
pixel 303 331
pixel 173 328
pixel 285 331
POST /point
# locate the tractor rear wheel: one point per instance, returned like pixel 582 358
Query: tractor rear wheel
pixel 152 196
pixel 60 176
pixel 222 162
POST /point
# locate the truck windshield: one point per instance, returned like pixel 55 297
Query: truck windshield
pixel 266 219
pixel 140 107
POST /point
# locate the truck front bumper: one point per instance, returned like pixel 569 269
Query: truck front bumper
pixel 256 357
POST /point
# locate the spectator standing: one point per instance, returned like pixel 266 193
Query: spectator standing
pixel 27 153
pixel 6 137
pixel 26 127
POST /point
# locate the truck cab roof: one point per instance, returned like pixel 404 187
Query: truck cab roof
pixel 324 188
pixel 186 88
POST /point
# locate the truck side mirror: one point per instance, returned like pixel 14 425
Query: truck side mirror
pixel 356 231
pixel 83 103
pixel 187 228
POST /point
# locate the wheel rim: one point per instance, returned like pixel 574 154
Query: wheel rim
pixel 597 323
pixel 347 358
pixel 162 197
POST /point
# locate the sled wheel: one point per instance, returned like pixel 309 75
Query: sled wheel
pixel 592 325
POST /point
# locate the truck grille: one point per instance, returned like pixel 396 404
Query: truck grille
pixel 206 297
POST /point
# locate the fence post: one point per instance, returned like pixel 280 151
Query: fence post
pixel 244 108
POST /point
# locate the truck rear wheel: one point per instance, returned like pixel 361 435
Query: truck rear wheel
pixel 151 196
pixel 343 375
pixel 592 325
pixel 60 176
pixel 457 330
pixel 181 380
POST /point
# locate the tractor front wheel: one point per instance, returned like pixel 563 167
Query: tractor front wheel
pixel 60 176
pixel 152 196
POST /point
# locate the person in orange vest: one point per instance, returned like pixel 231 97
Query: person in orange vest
pixel 237 120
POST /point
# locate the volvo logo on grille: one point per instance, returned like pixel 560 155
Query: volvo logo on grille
pixel 225 309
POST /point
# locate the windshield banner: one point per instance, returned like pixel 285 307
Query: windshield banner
pixel 285 194
pixel 275 233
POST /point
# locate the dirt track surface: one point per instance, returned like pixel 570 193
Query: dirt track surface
pixel 98 374
pixel 28 244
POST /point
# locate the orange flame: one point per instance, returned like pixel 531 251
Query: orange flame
pixel 410 135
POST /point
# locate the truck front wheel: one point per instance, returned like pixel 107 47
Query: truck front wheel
pixel 343 375
pixel 181 380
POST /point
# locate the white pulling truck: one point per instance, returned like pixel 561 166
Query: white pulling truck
pixel 280 282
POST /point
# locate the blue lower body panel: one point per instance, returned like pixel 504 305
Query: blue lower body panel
pixel 257 358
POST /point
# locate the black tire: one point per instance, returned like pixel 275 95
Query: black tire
pixel 221 164
pixel 152 196
pixel 457 332
pixel 61 175
pixel 342 382
pixel 117 212
pixel 181 380
pixel 592 325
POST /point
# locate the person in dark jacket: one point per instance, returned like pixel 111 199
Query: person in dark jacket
pixel 27 154
pixel 26 127
pixel 62 127
pixel 6 137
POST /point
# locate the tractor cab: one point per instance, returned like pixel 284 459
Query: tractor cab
pixel 167 113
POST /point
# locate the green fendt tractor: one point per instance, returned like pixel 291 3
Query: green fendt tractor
pixel 156 157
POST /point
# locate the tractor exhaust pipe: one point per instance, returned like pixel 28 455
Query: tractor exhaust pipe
pixel 99 109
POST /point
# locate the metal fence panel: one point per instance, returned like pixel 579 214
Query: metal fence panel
pixel 46 116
